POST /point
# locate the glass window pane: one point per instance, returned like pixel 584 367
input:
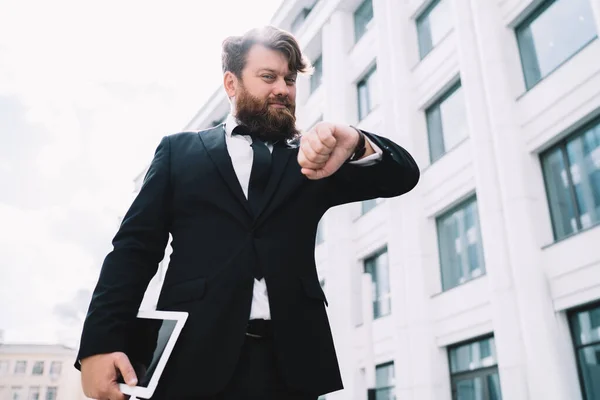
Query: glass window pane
pixel 34 393
pixel 435 133
pixel 55 368
pixel 555 35
pixel 384 375
pixel 363 100
pixel 446 123
pixel 472 356
pixel 362 18
pixel 51 393
pixel 38 368
pixel 368 94
pixel 469 389
pixel 584 164
pixel 586 326
pixel 317 77
pixel 562 209
pixel 589 363
pixel 378 268
pixel 494 387
pixel 461 251
pixel 4 366
pixel 454 119
pixel 433 26
pixel 20 367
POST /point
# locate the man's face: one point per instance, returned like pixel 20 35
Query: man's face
pixel 265 97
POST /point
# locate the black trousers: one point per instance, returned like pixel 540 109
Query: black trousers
pixel 255 377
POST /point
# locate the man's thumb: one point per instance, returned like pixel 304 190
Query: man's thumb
pixel 124 366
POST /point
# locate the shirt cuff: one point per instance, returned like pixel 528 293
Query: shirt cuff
pixel 371 159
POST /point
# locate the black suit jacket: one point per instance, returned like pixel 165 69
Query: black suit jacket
pixel 192 192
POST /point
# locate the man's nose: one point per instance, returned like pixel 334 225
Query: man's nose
pixel 281 88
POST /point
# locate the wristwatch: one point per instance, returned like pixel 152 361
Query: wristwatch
pixel 360 148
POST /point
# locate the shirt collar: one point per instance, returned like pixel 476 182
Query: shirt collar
pixel 230 124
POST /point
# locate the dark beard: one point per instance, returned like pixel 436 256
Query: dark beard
pixel 267 123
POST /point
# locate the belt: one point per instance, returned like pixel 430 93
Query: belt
pixel 259 328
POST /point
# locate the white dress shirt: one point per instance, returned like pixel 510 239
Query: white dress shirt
pixel 241 154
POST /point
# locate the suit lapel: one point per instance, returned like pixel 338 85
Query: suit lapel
pixel 214 142
pixel 281 156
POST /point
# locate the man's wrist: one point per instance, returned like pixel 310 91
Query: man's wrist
pixel 360 148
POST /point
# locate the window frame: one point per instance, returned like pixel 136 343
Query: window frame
pixel 482 372
pixel 35 364
pixel 577 347
pixel 419 20
pixel 17 363
pixel 358 35
pixel 375 302
pixel 562 146
pixel 461 205
pixel 539 10
pixel 364 81
pixel 312 85
pixel 452 89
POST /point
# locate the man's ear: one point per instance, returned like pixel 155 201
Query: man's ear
pixel 230 83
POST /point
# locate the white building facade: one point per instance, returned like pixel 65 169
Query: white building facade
pixel 483 282
pixel 38 372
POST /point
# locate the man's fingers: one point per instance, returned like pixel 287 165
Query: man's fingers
pixel 326 137
pixel 124 366
pixel 311 154
pixel 114 393
pixel 319 144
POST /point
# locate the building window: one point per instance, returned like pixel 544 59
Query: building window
pixel 51 392
pixel 317 77
pixel 368 93
pixel 446 122
pixel 363 17
pixel 55 368
pixel 368 205
pixel 384 381
pixel 17 393
pixel 20 367
pixel 377 267
pixel 433 25
pixel 585 328
pixel 474 370
pixel 38 368
pixel 552 34
pixel 34 393
pixel 4 366
pixel 572 177
pixel 461 253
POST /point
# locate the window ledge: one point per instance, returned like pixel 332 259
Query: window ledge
pixel 572 235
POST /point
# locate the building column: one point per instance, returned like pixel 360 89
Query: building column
pixel 530 360
pixel 420 365
pixel 337 40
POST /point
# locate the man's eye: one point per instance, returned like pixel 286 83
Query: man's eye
pixel 291 80
pixel 268 76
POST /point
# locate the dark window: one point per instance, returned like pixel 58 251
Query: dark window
pixel 461 252
pixel 384 382
pixel 317 77
pixel 556 31
pixel 446 122
pixel 38 368
pixel 572 176
pixel 377 267
pixel 474 371
pixel 433 25
pixel 585 328
pixel 362 19
pixel 368 93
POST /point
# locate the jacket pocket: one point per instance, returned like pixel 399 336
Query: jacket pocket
pixel 183 292
pixel 313 289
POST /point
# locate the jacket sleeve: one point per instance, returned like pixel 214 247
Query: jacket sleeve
pixel 138 248
pixel 395 174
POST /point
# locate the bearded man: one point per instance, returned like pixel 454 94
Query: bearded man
pixel 242 202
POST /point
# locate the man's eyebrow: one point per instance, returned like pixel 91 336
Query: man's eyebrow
pixel 271 70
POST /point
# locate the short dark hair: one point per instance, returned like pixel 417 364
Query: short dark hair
pixel 235 49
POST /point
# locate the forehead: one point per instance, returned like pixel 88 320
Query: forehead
pixel 261 57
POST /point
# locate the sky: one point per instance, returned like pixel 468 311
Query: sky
pixel 87 90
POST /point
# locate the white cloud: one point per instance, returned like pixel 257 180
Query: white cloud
pixel 88 90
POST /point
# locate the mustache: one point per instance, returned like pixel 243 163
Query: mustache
pixel 286 103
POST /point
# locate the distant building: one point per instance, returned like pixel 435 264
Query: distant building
pixel 38 372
